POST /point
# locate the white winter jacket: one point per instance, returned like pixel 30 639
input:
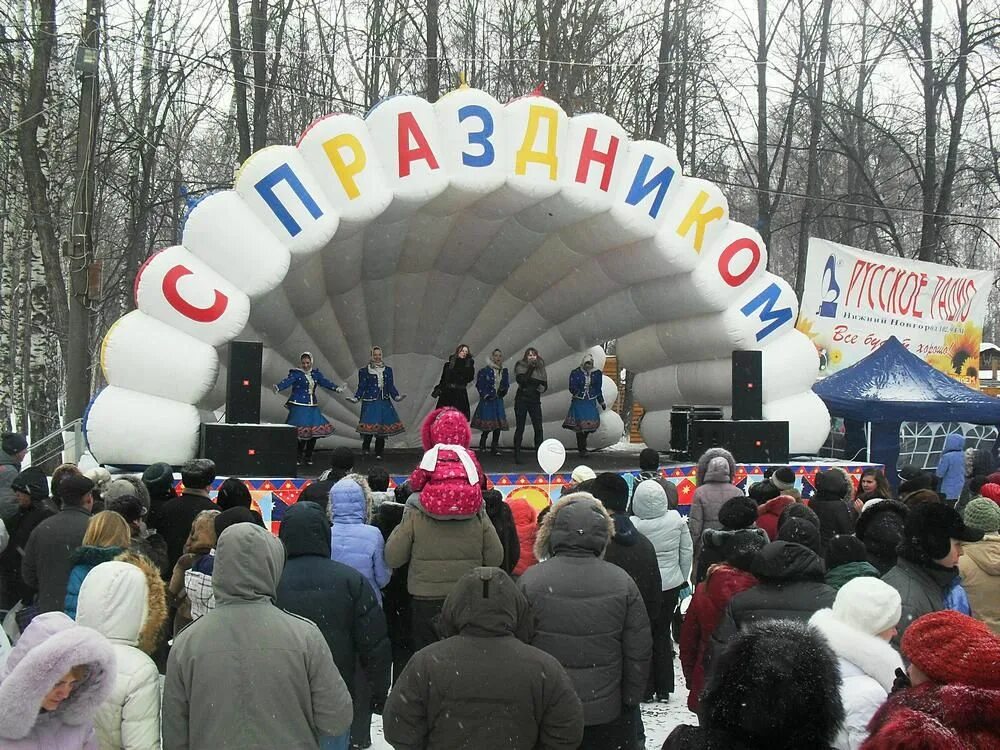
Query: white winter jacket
pixel 115 601
pixel 666 529
pixel 867 670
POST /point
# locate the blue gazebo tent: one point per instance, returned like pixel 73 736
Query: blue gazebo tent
pixel 892 385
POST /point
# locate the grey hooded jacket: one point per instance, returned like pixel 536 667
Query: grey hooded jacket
pixel 248 675
pixel 716 469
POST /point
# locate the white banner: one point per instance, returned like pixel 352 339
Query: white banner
pixel 854 300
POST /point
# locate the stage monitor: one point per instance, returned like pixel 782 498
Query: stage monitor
pixel 750 441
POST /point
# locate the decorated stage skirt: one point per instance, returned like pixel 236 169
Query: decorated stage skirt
pixel 583 415
pixel 379 418
pixel 490 415
pixel 308 421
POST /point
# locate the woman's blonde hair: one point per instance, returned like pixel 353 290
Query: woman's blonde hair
pixel 107 529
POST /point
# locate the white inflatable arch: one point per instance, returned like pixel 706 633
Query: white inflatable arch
pixel 423 226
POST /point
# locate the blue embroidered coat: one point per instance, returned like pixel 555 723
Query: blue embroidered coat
pixel 368 389
pixel 488 387
pixel 580 388
pixel 304 387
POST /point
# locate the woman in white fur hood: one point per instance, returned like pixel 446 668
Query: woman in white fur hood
pixel 858 628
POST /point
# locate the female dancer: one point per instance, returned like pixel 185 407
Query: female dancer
pixel 378 416
pixel 457 373
pixel 585 385
pixel 492 382
pixel 532 381
pixel 303 408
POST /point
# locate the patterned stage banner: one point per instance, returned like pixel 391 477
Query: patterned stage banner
pixel 271 497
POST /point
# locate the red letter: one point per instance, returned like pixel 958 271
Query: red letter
pixel 407 128
pixel 198 314
pixel 589 154
pixel 731 251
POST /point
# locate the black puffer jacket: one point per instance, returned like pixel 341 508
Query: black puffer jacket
pixel 834 515
pixel 880 527
pixel 791 588
pixel 636 555
pixel 503 522
pixel 589 613
pixel 334 596
pixel 442 701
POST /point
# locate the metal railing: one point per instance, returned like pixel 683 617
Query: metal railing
pixel 74 450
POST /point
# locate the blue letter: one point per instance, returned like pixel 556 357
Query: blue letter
pixel 480 138
pixel 776 318
pixel 265 187
pixel 641 188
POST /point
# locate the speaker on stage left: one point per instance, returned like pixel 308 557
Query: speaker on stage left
pixel 243 382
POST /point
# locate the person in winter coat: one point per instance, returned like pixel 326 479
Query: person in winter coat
pixel 880 527
pixel 176 516
pixel 233 493
pixel 125 601
pixel 715 472
pixel 492 383
pixel 739 512
pixel 847 559
pixel 456 374
pixel 791 588
pixel 282 661
pixel 979 462
pixel 341 464
pixel 303 408
pixel 973 489
pixel 585 388
pixel 55 679
pixel 776 687
pixel 378 484
pixel 668 532
pixel 107 536
pixel 190 588
pixel 723 582
pixel 503 521
pixel 927 567
pixel 376 391
pixel 31 489
pixel 532 381
pixel 342 604
pixel 13 449
pixel 395 597
pixel 143 541
pixel 449 475
pixel 629 549
pixel 828 504
pixel 951 467
pixel 525 519
pixel 47 560
pixel 858 628
pixel 355 542
pixel 443 702
pixel 980 562
pixel 769 513
pixel 649 468
pixel 590 616
pixel 954 697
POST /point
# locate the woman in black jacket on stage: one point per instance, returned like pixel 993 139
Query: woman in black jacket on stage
pixel 532 382
pixel 457 373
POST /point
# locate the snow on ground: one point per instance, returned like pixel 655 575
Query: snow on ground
pixel 659 719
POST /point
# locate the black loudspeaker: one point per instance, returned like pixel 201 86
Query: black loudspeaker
pixel 750 441
pixel 748 394
pixel 251 450
pixel 682 416
pixel 243 382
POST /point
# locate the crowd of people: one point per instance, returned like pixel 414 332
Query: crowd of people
pixel 860 617
pixel 377 394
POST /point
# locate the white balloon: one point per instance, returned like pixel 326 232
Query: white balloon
pixel 551 456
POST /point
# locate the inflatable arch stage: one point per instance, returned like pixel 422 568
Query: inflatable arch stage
pixel 425 225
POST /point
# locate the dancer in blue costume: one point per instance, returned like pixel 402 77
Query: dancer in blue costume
pixel 303 408
pixel 378 416
pixel 492 382
pixel 585 385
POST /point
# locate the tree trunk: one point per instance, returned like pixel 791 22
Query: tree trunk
pixel 763 158
pixel 239 81
pixel 258 40
pixel 433 66
pixel 928 230
pixel 660 116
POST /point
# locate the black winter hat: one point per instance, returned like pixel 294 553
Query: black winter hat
pixel 741 547
pixel 233 516
pixel 892 512
pixel 761 492
pixel 31 482
pixel 920 480
pixel 929 529
pixel 198 473
pixel 832 482
pixel 802 532
pixel 798 510
pixel 739 512
pixel 649 459
pixel 342 458
pixel 128 507
pixel 612 491
pixel 73 488
pixel 158 478
pixel 843 549
pixel 13 442
pixel 783 478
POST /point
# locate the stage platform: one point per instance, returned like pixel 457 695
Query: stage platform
pixel 273 495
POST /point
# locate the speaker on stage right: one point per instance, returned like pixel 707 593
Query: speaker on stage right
pixel 748 389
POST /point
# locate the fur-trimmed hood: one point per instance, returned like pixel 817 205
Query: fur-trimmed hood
pixel 869 653
pixel 710 470
pixel 936 716
pixel 49 647
pixel 351 500
pixel 125 601
pixel 578 524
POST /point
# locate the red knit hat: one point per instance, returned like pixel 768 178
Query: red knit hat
pixel 952 648
pixel 992 491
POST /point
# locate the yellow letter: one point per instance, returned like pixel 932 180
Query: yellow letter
pixel 527 152
pixel 346 171
pixel 695 215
